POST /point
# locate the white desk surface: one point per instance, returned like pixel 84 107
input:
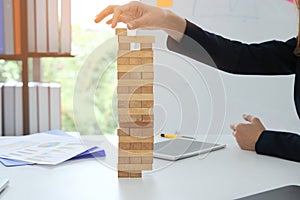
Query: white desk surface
pixel 224 174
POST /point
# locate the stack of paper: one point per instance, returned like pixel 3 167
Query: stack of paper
pixel 49 148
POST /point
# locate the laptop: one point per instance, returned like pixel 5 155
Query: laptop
pixel 3 183
pixel 289 192
pixel 179 148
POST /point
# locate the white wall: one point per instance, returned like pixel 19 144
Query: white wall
pixel 203 97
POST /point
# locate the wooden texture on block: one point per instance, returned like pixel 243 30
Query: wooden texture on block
pixel 135 174
pixel 147 60
pixel 135 104
pixel 123 61
pixel 136 124
pixel 129 75
pixel 125 146
pixel 123 132
pixel 135 146
pixel 122 89
pixel 129 104
pixel 147 118
pixel 142 132
pixel 135 61
pixel 135 54
pixel 135 111
pixel 136 39
pixel 134 82
pixel 135 68
pixel 147 160
pixel 132 139
pixel 136 97
pixel 123 174
pixel 124 46
pixel 134 89
pixel 123 160
pixel 146 47
pixel 147 145
pixel 147 89
pixel 147 104
pixel 135 153
pixel 123 104
pixel 121 31
pixel 130 167
pixel 130 118
pixel 134 160
pixel 147 75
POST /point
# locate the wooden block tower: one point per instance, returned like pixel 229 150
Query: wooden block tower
pixel 135 105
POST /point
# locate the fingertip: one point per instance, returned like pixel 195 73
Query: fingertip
pixel 130 26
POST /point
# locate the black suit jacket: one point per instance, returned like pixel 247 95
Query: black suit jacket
pixel 268 58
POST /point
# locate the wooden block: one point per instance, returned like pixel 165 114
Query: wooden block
pixel 146 47
pixel 134 82
pixel 147 145
pixel 142 132
pixel 148 67
pixel 122 90
pixel 148 132
pixel 123 132
pixel 147 60
pixel 121 31
pixel 147 118
pixel 135 68
pixel 123 61
pixel 124 46
pixel 123 174
pixel 123 160
pixel 135 160
pixel 136 132
pixel 136 39
pixel 135 111
pixel 135 174
pixel 121 74
pixel 135 104
pixel 147 89
pixel 130 118
pixel 134 153
pixel 134 89
pixel 129 75
pixel 123 104
pixel 132 139
pixel 133 167
pixel 137 124
pixel 147 159
pixel 135 54
pixel 147 75
pixel 129 104
pixel 147 104
pixel 135 61
pixel 135 97
pixel 135 146
pixel 125 145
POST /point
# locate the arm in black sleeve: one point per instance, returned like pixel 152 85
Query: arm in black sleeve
pixel 279 144
pixel 268 58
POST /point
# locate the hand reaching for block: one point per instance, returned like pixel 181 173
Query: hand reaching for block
pixel 139 15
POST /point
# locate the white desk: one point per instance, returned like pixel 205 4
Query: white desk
pixel 225 174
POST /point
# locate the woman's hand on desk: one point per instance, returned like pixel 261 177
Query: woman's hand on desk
pixel 139 15
pixel 247 134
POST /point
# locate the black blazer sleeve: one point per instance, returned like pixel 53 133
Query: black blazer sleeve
pixel 268 58
pixel 279 144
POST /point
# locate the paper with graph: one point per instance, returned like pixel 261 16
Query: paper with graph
pixel 41 148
